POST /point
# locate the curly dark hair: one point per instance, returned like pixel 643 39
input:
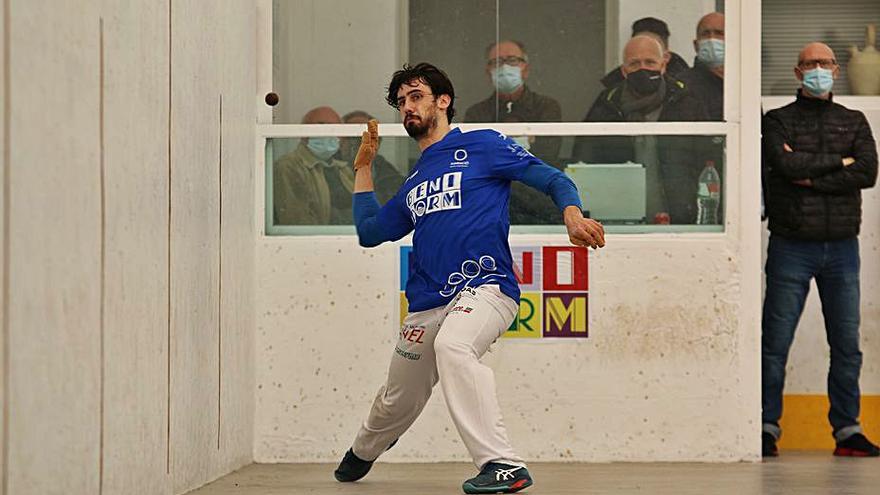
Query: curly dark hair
pixel 435 78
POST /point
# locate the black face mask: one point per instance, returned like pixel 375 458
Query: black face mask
pixel 644 82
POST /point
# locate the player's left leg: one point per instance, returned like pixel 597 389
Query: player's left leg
pixel 411 376
pixel 475 321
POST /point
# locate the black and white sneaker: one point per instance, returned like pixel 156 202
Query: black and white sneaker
pixel 498 478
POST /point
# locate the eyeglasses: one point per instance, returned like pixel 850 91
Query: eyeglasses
pixel 413 96
pixel 825 63
pixel 509 60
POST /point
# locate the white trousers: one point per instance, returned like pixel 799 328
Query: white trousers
pixel 446 344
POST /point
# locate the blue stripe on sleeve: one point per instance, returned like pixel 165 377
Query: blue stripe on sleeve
pixel 552 182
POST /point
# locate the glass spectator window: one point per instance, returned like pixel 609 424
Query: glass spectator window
pixel 639 183
pixel 564 58
pixel 510 60
pixel 304 189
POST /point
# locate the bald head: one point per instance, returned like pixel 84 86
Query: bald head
pixel 643 52
pixel 711 25
pixel 321 115
pixel 816 51
pixel 656 36
pixel 643 45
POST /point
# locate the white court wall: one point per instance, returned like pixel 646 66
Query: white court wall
pixel 671 371
pixel 807 368
pixel 3 237
pixel 668 373
pixel 130 245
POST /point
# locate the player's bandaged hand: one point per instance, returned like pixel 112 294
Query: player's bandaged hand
pixel 369 145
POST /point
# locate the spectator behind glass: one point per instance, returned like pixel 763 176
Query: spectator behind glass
pixel 386 178
pixel 675 64
pixel 308 182
pixel 706 79
pixel 507 68
pixel 648 94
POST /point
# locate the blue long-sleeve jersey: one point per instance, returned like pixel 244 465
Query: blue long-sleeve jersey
pixel 456 199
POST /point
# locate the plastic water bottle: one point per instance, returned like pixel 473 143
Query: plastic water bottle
pixel 708 195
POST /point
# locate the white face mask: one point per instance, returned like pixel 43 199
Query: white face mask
pixel 818 81
pixel 507 78
pixel 323 147
pixel 710 51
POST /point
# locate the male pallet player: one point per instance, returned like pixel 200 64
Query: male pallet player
pixel 462 291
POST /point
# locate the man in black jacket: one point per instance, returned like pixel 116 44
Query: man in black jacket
pixel 648 94
pixel 819 156
pixel 706 79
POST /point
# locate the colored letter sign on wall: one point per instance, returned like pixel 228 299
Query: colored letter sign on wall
pixel 554 281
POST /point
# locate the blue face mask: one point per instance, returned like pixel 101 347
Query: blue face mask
pixel 507 78
pixel 323 147
pixel 711 52
pixel 818 81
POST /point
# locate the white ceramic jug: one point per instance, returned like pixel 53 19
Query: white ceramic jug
pixel 864 66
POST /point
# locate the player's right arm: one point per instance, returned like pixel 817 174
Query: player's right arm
pixel 375 224
pixel 514 163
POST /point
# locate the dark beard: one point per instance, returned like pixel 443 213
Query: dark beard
pixel 419 129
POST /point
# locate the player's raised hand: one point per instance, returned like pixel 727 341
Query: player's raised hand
pixel 369 145
pixel 583 231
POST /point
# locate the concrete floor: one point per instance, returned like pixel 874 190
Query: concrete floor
pixel 794 473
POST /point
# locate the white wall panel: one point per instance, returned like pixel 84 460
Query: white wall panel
pixel 136 160
pixel 195 151
pixel 60 387
pixel 55 361
pixel 238 84
pixel 4 106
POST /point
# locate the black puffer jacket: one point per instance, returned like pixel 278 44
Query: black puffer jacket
pixel 821 134
pixel 707 87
